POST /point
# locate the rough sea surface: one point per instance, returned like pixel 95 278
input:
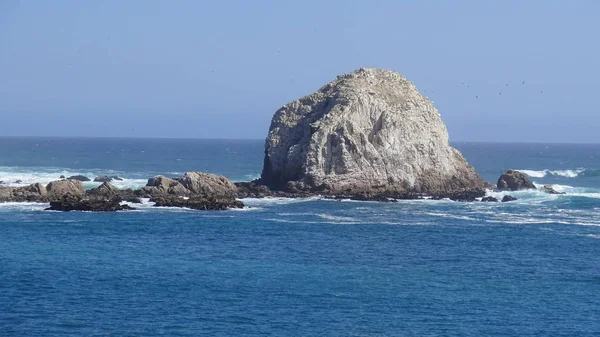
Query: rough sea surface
pixel 303 267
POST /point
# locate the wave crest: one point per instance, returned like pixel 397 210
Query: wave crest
pixel 581 172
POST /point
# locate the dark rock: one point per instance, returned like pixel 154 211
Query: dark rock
pixel 252 189
pixel 508 198
pixel 132 196
pixel 18 181
pixel 198 203
pixel 550 190
pixel 69 203
pixel 466 196
pixel 489 199
pixel 62 177
pixel 514 181
pixel 78 177
pixel 106 179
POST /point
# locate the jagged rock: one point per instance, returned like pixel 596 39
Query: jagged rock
pixel 106 179
pixel 367 131
pixel 78 177
pixel 106 190
pixel 18 181
pixel 508 198
pixel 158 185
pixel 70 202
pixel 208 185
pixel 550 190
pixel 198 203
pixel 59 188
pixel 514 181
pixel 489 199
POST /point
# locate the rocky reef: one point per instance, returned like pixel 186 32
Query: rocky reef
pixel 195 190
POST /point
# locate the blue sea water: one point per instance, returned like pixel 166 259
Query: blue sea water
pixel 302 267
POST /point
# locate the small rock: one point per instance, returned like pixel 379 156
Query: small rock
pixel 18 181
pixel 514 181
pixel 489 199
pixel 62 177
pixel 106 179
pixel 508 198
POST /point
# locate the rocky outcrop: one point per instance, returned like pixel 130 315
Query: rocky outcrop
pixel 59 188
pixel 159 185
pixel 198 203
pixel 367 131
pixel 79 177
pixel 489 199
pixel 514 181
pixel 207 185
pixel 70 202
pixel 33 193
pixel 106 179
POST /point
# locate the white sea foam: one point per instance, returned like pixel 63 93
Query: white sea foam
pixel 547 172
pixel 273 201
pixel 22 176
pixel 339 219
pixel 23 206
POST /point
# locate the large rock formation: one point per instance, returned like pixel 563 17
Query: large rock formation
pixel 367 131
pixel 514 181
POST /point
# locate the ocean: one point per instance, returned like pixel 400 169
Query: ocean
pixel 299 267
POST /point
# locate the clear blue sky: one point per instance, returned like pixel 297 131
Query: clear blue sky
pixel 220 69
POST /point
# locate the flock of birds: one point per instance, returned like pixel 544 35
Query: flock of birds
pixel 477 96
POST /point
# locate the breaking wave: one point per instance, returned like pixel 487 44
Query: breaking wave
pixel 582 172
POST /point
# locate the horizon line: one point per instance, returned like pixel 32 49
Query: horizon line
pixel 263 139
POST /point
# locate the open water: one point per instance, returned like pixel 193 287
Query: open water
pixel 303 267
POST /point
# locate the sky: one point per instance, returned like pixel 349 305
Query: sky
pixel 511 71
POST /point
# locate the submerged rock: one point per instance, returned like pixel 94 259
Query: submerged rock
pixel 550 190
pixel 514 181
pixel 508 198
pixel 367 131
pixel 198 203
pixel 79 177
pixel 69 203
pixel 106 179
pixel 489 199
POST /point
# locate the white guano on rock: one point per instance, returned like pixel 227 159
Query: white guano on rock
pixel 366 131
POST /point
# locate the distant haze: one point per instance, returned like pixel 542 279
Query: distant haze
pixel 220 69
